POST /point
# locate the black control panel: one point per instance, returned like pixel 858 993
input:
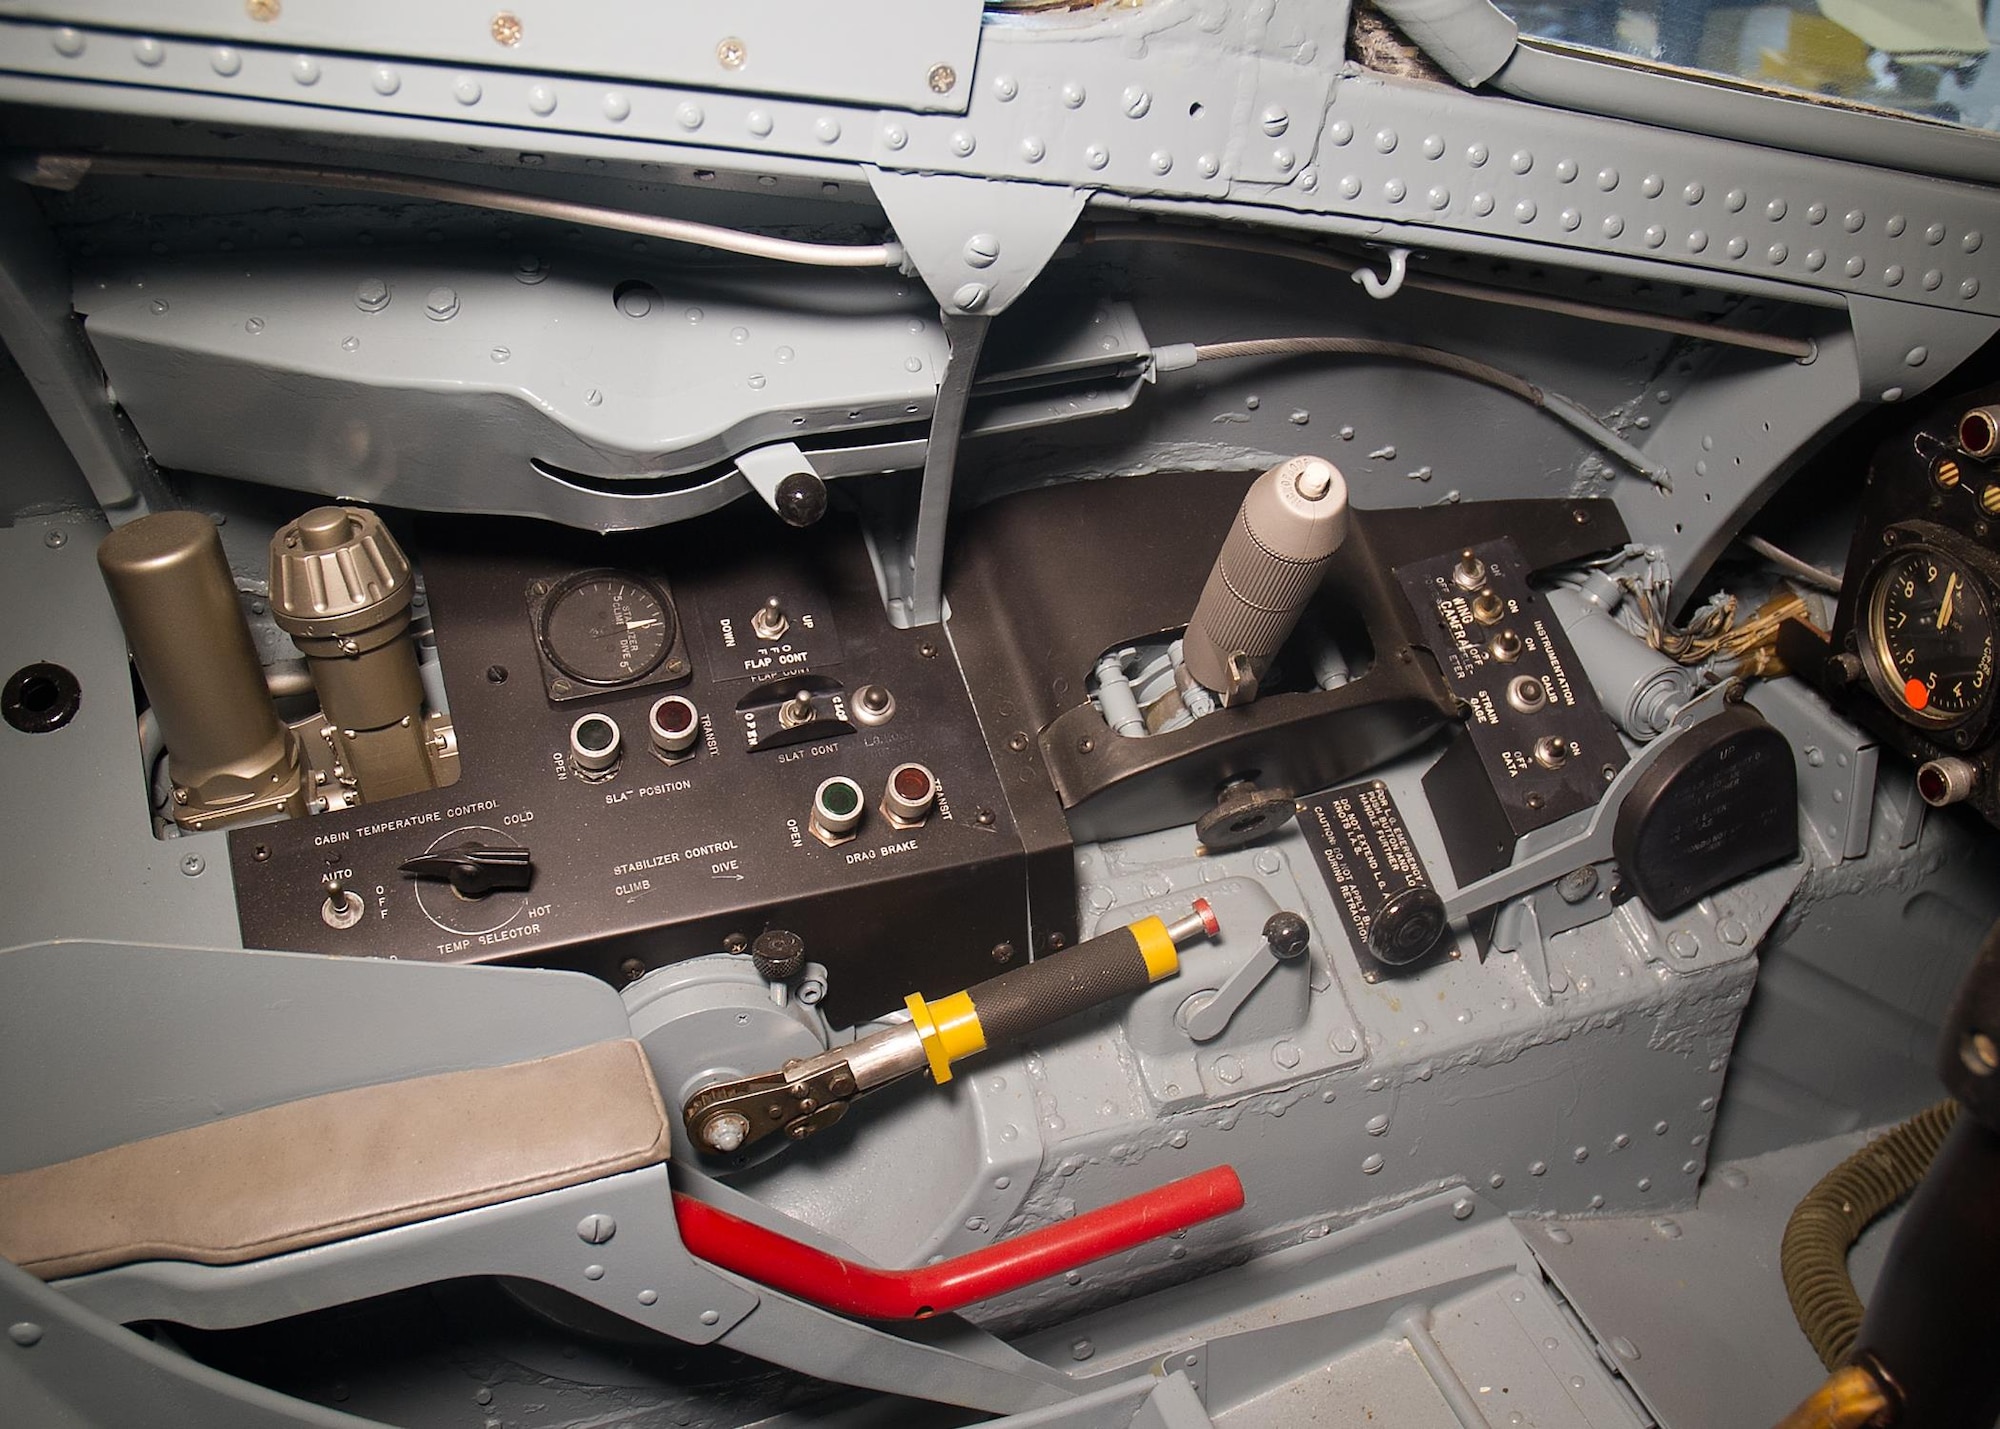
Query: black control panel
pixel 1536 745
pixel 695 735
pixel 1913 649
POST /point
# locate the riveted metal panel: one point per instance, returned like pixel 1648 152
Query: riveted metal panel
pixel 84 779
pixel 1181 112
pixel 919 53
pixel 616 373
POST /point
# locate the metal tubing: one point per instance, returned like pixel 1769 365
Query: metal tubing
pixel 1801 349
pixel 1414 1325
pixel 879 1057
pixel 1115 697
pixel 810 1274
pixel 1469 39
pixel 66 171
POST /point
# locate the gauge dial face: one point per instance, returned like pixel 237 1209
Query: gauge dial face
pixel 607 627
pixel 1933 634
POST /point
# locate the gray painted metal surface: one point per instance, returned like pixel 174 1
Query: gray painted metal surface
pixel 599 395
pixel 1691 1306
pixel 1836 766
pixel 918 49
pixel 1078 107
pixel 1854 980
pixel 63 1367
pixel 41 336
pixel 132 887
pixel 111 1024
pixel 1383 1091
pixel 1385 1130
pixel 1675 101
pixel 642 1272
pixel 1325 1323
pixel 42 479
pixel 438 383
pixel 924 545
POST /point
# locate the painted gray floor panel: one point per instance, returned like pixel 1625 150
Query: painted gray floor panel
pixel 1696 1297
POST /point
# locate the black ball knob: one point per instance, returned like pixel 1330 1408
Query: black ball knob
pixel 778 954
pixel 1287 935
pixel 1408 927
pixel 801 499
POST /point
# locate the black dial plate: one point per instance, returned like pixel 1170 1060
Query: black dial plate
pixel 606 628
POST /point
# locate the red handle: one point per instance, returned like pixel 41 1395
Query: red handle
pixel 826 1280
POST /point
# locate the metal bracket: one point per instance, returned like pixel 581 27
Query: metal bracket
pixel 976 243
pixel 1910 823
pixel 1836 762
pixel 787 480
pixel 924 603
pixel 1524 927
pixel 1211 1014
pixel 1903 349
pixel 1592 842
pixel 43 335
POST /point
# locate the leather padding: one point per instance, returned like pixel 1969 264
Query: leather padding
pixel 341 1164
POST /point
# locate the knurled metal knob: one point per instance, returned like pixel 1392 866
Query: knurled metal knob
pixel 778 954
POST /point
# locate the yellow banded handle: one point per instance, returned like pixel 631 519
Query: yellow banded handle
pixel 1027 999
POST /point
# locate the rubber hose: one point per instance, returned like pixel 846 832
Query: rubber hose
pixel 1831 1217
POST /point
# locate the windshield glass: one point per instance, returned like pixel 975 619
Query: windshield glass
pixel 1924 57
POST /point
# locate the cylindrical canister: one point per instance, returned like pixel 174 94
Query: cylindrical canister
pixel 228 754
pixel 341 588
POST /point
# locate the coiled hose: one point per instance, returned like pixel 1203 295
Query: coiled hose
pixel 1825 1225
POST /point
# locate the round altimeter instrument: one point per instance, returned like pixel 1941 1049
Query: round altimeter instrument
pixel 1930 637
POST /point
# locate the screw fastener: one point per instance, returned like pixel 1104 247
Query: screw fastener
pixel 194 865
pixel 506 29
pixel 732 53
pixel 943 79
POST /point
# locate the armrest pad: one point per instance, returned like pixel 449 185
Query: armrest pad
pixel 341 1164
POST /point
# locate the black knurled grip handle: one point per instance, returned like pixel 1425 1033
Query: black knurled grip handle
pixel 1030 998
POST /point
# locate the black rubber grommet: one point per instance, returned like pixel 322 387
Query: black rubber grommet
pixel 40 697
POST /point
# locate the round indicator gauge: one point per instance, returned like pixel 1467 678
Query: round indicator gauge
pixel 1931 633
pixel 607 627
